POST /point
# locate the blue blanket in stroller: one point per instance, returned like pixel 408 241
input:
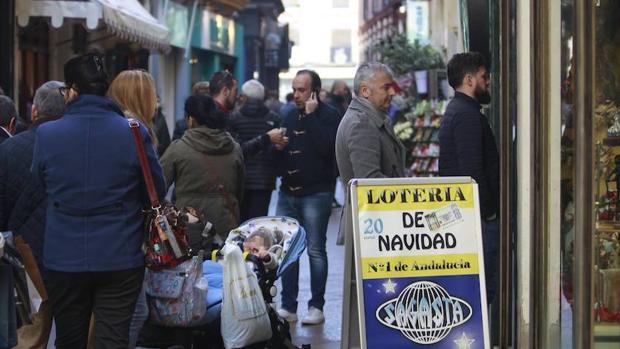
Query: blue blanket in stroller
pixel 289 237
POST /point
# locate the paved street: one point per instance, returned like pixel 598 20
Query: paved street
pixel 327 335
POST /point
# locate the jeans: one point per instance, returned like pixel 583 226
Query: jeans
pixel 111 296
pixel 312 212
pixel 490 245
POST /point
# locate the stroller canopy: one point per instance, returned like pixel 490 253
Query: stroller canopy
pixel 289 237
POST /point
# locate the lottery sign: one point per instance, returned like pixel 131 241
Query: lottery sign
pixel 419 263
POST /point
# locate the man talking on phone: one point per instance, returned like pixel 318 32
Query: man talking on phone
pixel 308 168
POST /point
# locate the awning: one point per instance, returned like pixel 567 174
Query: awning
pixel 131 21
pixel 127 19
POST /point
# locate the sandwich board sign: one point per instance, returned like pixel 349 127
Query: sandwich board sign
pixel 419 263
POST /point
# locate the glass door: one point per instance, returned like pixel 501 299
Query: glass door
pixel 590 197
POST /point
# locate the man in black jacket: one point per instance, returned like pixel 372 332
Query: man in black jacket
pixel 256 128
pixel 468 148
pixel 23 201
pixel 308 169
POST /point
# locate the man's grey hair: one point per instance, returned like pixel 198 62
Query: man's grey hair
pixel 7 110
pixel 366 72
pixel 253 89
pixel 48 100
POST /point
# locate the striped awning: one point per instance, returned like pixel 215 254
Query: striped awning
pixel 127 19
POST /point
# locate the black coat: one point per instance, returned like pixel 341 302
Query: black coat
pixel 468 148
pixel 23 202
pixel 249 127
pixel 161 132
pixel 308 163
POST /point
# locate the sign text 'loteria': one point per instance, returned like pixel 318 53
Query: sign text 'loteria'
pixel 415 195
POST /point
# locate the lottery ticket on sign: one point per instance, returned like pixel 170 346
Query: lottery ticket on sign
pixel 444 217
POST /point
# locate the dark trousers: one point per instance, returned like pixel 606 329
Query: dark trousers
pixel 490 245
pixel 110 296
pixel 255 203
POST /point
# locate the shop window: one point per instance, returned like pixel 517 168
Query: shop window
pixel 606 125
pixel 606 168
pixel 341 46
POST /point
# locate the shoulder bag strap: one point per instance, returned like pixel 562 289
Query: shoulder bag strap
pixel 134 125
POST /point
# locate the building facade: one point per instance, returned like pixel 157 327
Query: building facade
pixel 335 55
pixel 179 42
pixel 205 38
pixel 436 22
pixel 48 33
pixel 379 20
pixel 266 41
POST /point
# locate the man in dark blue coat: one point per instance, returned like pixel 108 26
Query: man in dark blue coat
pixel 468 148
pixel 308 168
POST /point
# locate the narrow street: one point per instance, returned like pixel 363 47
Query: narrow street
pixel 327 335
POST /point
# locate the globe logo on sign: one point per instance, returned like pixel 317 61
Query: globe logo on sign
pixel 424 312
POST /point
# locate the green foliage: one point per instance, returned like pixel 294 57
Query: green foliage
pixel 405 57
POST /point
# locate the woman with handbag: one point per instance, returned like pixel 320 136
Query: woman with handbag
pixel 88 163
pixel 134 91
pixel 206 166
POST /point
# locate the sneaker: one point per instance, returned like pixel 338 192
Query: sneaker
pixel 314 316
pixel 287 315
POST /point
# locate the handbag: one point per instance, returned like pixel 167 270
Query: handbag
pixel 177 296
pixel 165 229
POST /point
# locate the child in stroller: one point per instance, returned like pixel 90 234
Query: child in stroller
pixel 271 244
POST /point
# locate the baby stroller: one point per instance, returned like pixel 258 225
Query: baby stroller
pixel 289 242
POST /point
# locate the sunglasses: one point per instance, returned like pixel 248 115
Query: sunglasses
pixel 65 89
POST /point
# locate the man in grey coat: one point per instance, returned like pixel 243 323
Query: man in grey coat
pixel 366 147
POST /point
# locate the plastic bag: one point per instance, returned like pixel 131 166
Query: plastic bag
pixel 245 319
pixel 177 296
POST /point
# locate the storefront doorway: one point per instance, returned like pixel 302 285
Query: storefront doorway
pixel 559 76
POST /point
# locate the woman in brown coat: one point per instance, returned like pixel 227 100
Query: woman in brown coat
pixel 206 166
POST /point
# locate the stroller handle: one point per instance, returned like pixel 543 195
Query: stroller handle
pixel 260 267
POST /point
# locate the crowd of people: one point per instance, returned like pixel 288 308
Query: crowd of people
pixel 71 185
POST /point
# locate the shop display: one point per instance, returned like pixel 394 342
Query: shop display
pixel 419 132
pixel 607 232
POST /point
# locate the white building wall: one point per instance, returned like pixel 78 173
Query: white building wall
pixel 311 24
pixel 446 35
